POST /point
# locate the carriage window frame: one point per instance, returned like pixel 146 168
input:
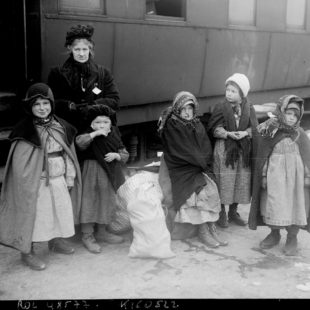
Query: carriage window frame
pixel 239 22
pixel 71 10
pixel 298 27
pixel 160 17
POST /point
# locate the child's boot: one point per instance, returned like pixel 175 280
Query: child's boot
pixel 204 235
pixel 33 261
pixel 90 243
pixel 222 221
pixel 215 235
pixel 59 245
pixel 105 236
pixel 271 240
pixel 290 248
pixel 234 216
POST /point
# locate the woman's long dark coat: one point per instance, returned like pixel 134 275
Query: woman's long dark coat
pixel 65 82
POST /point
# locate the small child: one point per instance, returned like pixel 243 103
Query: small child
pixel 231 124
pixel 103 153
pixel 41 169
pixel 281 180
pixel 188 155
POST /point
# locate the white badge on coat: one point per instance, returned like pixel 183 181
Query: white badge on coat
pixel 96 90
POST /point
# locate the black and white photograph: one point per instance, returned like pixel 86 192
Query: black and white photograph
pixel 154 153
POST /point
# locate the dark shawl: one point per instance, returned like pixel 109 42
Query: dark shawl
pixel 265 147
pixel 187 153
pixel 102 145
pixel 223 115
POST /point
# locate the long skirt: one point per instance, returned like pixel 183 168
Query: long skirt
pixel 98 195
pixel 285 202
pixel 202 207
pixel 54 214
pixel 234 185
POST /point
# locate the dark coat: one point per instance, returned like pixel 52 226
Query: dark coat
pixel 22 179
pixel 65 82
pixel 187 153
pixel 264 148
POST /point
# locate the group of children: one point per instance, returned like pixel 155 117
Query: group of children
pixel 231 161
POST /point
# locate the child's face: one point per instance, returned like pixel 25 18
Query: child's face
pixel 232 94
pixel 187 112
pixel 101 122
pixel 290 117
pixel 41 108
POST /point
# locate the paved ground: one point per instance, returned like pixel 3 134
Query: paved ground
pixel 240 270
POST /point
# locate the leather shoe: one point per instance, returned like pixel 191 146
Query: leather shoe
pixel 271 240
pixel 32 261
pixel 59 245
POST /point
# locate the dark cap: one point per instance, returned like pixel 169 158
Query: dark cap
pixel 38 90
pixel 100 110
pixel 79 32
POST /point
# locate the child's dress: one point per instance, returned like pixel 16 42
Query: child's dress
pixel 99 194
pixel 54 216
pixel 283 158
pixel 35 200
pixel 284 203
pixel 234 178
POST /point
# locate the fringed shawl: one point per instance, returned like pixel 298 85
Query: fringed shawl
pixel 223 115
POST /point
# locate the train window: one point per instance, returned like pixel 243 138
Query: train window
pixel 295 14
pixel 172 8
pixel 242 12
pixel 82 6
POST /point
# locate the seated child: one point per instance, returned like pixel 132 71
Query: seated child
pixel 188 155
pixel 103 153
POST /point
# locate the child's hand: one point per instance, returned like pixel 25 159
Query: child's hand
pixel 233 135
pixel 264 182
pixel 112 156
pixel 241 134
pixel 100 132
pixel 307 182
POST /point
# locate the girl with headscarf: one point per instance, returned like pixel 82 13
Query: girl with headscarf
pixel 41 174
pixel 281 180
pixel 80 83
pixel 188 156
pixel 232 124
pixel 103 155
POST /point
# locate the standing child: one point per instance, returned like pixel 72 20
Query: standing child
pixel 103 153
pixel 281 180
pixel 41 169
pixel 188 155
pixel 231 124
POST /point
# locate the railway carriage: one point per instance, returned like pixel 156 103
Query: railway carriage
pixel 155 48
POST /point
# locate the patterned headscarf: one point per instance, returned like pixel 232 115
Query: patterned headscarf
pixel 181 99
pixel 277 119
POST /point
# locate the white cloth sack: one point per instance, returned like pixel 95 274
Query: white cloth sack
pixel 151 237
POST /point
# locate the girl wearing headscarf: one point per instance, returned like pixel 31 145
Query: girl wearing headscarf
pixel 232 124
pixel 281 180
pixel 41 174
pixel 103 155
pixel 80 82
pixel 188 156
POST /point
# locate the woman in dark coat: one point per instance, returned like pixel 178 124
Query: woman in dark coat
pixel 280 195
pixel 188 155
pixel 80 82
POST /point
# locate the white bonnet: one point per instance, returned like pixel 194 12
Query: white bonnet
pixel 242 81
